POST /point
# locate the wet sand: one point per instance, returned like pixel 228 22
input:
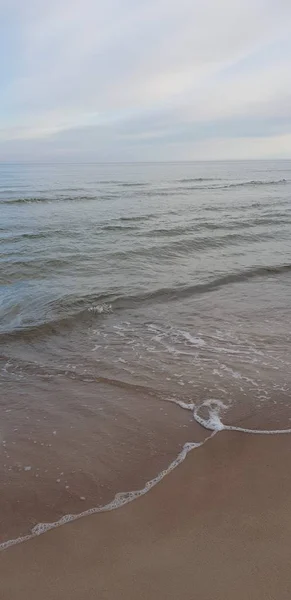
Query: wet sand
pixel 217 528
pixel 96 443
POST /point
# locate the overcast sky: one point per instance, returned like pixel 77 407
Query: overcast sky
pixel 123 80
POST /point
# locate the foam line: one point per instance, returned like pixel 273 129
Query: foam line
pixel 214 423
pixel 119 500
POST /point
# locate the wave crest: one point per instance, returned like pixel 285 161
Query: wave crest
pixel 70 311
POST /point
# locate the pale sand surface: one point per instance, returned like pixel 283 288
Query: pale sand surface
pixel 216 528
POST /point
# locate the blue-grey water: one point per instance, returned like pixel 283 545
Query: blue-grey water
pixel 124 290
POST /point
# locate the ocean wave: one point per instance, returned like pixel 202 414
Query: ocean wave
pixel 100 309
pixel 166 191
pixel 231 225
pixel 28 200
pixel 172 294
pixel 66 313
pixel 182 189
pixel 122 183
pixel 132 184
pixel 138 218
pixel 119 228
pixel 272 219
pixel 183 246
pixel 24 367
pixel 254 183
pixel 37 235
pixel 16 269
pixel 237 207
pixel 171 232
pixel 51 200
pixel 239 184
pixel 37 329
pixel 197 179
pixel 73 311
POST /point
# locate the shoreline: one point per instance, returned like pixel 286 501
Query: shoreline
pixel 49 471
pixel 212 424
pixel 224 511
pixel 119 500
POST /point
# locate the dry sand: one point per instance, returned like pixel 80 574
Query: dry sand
pixel 216 528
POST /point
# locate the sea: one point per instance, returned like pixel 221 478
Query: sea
pixel 143 308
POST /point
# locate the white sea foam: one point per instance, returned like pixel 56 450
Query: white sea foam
pixel 213 421
pixel 101 308
pixel 185 405
pixel 194 341
pixel 237 375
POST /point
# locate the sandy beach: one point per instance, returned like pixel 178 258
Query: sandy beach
pixel 218 527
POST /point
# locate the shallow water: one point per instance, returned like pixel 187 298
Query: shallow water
pixel 126 289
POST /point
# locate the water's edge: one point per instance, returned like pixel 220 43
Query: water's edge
pixel 213 423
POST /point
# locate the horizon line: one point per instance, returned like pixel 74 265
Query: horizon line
pixel 140 162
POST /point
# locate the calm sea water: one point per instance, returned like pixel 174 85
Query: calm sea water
pixel 125 290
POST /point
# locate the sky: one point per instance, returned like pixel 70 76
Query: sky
pixel 151 80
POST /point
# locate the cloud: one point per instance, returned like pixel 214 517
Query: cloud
pixel 123 79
